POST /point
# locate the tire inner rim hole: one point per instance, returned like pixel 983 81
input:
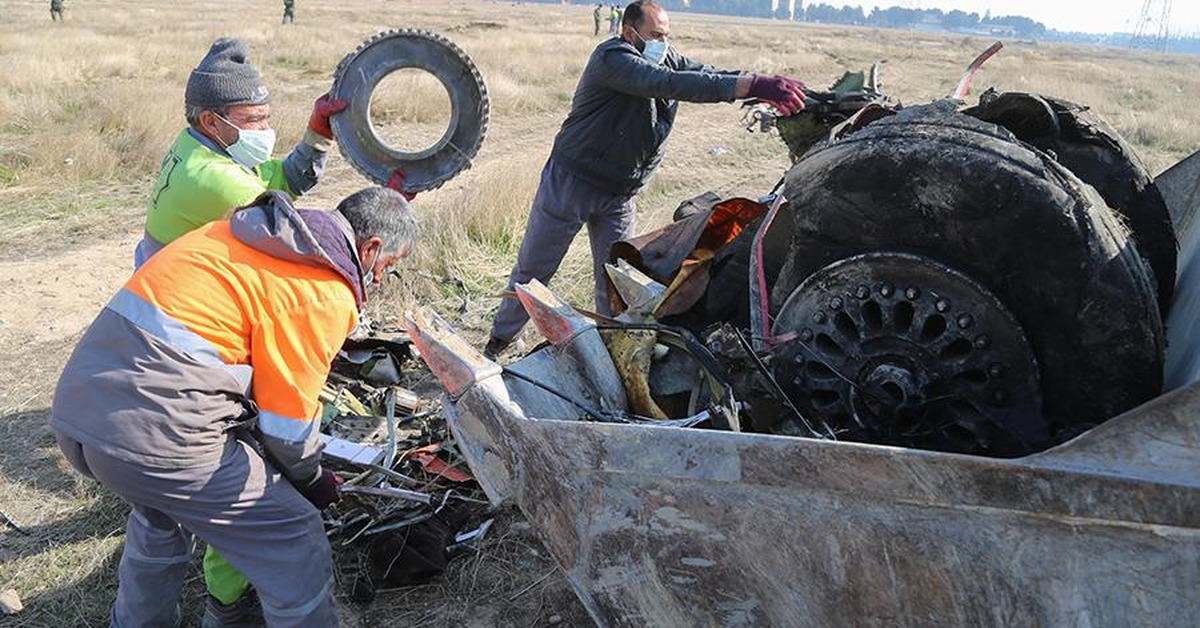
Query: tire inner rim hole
pixel 411 111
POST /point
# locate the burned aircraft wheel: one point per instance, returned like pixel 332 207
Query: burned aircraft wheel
pixel 947 187
pixel 1096 153
pixel 901 350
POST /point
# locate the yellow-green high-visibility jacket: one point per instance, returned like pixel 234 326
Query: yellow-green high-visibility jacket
pixel 199 183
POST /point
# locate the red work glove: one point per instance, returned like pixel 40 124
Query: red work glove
pixel 322 109
pixel 324 490
pixel 787 95
pixel 397 183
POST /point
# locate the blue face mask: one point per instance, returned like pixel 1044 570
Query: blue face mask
pixel 653 51
pixel 252 146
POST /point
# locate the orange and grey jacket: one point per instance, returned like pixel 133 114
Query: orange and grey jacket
pixel 237 318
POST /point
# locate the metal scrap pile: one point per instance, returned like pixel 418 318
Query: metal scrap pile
pixel 409 504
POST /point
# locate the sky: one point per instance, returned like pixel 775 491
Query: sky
pixel 1092 16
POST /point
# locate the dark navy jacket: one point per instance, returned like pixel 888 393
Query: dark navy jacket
pixel 623 111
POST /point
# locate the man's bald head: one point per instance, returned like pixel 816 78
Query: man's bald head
pixel 635 13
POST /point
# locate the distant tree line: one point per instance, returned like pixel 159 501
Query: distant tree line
pixel 900 17
pixel 891 17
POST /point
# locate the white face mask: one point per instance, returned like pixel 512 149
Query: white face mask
pixel 653 51
pixel 368 277
pixel 252 146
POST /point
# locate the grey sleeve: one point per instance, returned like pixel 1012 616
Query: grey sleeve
pixel 691 65
pixel 299 460
pixel 687 64
pixel 304 166
pixel 621 71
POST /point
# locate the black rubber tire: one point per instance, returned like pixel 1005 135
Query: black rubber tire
pixel 356 79
pixel 1096 153
pixel 947 186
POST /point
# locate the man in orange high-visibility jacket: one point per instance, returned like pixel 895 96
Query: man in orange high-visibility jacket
pixel 216 347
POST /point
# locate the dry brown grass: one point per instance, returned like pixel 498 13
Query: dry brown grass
pixel 88 107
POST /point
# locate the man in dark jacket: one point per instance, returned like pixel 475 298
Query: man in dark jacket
pixel 610 144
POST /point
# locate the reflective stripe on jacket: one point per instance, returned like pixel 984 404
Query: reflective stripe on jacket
pixel 234 314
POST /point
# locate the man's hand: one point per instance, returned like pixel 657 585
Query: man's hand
pixel 322 109
pixel 324 490
pixel 396 182
pixel 785 94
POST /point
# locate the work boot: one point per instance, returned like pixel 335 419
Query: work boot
pixel 495 346
pixel 244 612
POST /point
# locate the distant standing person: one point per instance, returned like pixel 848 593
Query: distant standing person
pixel 596 18
pixel 614 18
pixel 56 10
pixel 611 143
pixel 289 7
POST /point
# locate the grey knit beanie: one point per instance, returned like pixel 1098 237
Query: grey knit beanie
pixel 225 77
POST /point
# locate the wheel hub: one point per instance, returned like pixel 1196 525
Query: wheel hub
pixel 901 350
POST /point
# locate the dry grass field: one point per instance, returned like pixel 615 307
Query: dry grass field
pixel 88 106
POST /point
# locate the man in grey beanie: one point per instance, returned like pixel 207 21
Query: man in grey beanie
pixel 223 159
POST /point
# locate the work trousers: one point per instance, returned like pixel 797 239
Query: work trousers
pixel 146 249
pixel 243 507
pixel 562 205
pixel 220 579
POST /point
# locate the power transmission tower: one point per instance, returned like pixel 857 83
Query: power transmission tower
pixel 1153 26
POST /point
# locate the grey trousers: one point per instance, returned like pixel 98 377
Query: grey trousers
pixel 242 507
pixel 145 250
pixel 562 205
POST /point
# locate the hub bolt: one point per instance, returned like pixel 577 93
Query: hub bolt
pixel 862 292
pixel 806 334
pixel 912 294
pixel 942 305
pixel 886 290
pixel 819 318
pixel 964 321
